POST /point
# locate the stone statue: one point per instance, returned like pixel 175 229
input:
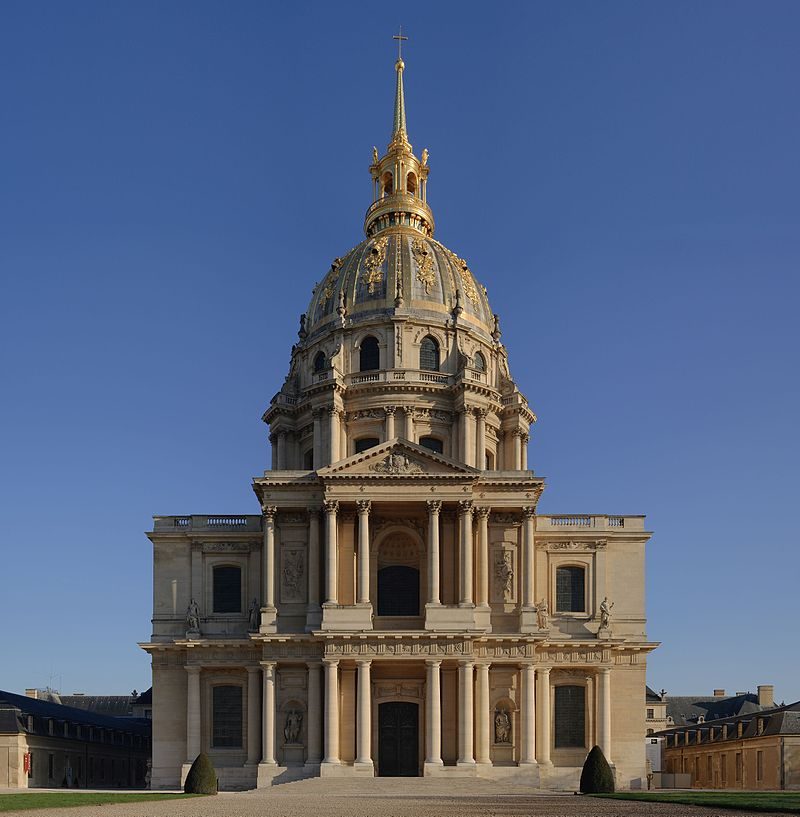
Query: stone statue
pixel 425 155
pixel 504 570
pixel 605 613
pixel 375 157
pixel 294 723
pixel 542 615
pixel 254 616
pixel 502 726
pixel 193 617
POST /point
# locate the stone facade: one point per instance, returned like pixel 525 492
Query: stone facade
pixel 399 606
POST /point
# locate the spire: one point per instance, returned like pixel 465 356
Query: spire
pixel 399 98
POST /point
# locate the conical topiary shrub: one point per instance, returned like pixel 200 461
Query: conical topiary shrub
pixel 596 777
pixel 202 779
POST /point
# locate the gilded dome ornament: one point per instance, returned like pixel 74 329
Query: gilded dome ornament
pixel 373 265
pixel 424 261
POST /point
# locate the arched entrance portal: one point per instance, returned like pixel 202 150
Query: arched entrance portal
pixel 398 736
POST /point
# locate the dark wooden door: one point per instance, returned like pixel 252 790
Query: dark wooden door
pixel 398 729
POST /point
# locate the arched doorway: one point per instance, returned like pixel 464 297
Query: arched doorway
pixel 398 739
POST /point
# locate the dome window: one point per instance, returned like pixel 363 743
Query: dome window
pixel 370 355
pixel 429 354
pixel 411 184
pixel 387 184
pixel 320 362
pixel 366 442
pixel 432 444
pixel 479 362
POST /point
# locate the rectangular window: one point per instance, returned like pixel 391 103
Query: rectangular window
pixel 738 767
pixel 709 767
pixel 570 716
pixel 723 768
pixel 650 714
pixel 759 765
pixel 50 763
pixel 227 589
pixel 227 717
pixel 697 768
pixel 570 592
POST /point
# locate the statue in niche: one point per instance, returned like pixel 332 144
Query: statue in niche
pixel 254 615
pixel 193 617
pixel 542 615
pixel 293 570
pixel 504 570
pixel 605 613
pixel 294 723
pixel 502 726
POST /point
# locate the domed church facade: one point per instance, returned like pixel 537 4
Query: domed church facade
pixel 398 606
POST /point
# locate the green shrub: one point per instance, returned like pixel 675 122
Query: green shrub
pixel 202 779
pixel 596 777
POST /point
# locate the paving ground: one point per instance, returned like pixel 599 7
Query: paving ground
pixel 388 797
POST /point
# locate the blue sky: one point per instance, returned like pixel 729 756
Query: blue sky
pixel 622 176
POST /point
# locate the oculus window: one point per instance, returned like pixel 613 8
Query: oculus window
pixel 227 589
pixel 570 589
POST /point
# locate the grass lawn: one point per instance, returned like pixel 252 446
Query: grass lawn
pixel 57 799
pixel 746 801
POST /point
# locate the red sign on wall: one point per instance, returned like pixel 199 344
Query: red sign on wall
pixel 26 762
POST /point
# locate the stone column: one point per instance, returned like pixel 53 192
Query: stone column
pixel 517 435
pixel 281 450
pixel 253 716
pixel 465 714
pixel 433 713
pixel 343 436
pixel 409 432
pixel 364 506
pixel 192 713
pixel 483 556
pixel 331 711
pixel 528 716
pixel 480 444
pixel 364 716
pixel 331 544
pixel 314 723
pixel 528 557
pixel 313 560
pixel 482 714
pixel 273 441
pixel 269 556
pixel 434 506
pixel 390 411
pixel 465 512
pixel 268 714
pixel 604 711
pixel 317 414
pixel 333 433
pixel 543 719
pixel 525 440
pixel 469 436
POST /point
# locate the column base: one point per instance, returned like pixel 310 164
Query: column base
pixel 483 617
pixel 364 768
pixel 266 771
pixel 466 764
pixel 433 768
pixel 269 620
pixel 332 768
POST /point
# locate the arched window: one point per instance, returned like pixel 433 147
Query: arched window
pixel 366 442
pixel 226 716
pixel 370 355
pixel 227 589
pixel 398 591
pixel 489 461
pixel 429 354
pixel 570 589
pixel 570 716
pixel 387 184
pixel 411 184
pixel 479 362
pixel 308 460
pixel 432 444
pixel 320 362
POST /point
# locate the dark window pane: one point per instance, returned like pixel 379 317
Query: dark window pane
pixel 429 354
pixel 570 712
pixel 365 443
pixel 227 717
pixel 370 356
pixel 479 362
pixel 570 595
pixel 227 589
pixel 398 591
pixel 319 362
pixel 432 444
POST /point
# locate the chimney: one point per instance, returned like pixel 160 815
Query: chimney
pixel 766 695
pixel 719 693
pixel 32 693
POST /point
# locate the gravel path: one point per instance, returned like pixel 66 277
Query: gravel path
pixel 384 797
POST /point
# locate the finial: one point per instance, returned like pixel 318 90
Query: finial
pixel 399 37
pixel 399 97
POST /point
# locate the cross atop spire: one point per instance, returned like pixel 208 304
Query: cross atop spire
pixel 399 97
pixel 399 37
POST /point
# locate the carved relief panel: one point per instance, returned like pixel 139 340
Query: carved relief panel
pixel 504 573
pixel 293 585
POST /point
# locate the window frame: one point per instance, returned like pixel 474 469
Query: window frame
pixel 233 683
pixel 226 560
pixel 438 354
pixel 562 684
pixel 370 438
pixel 435 439
pixel 319 356
pixel 587 605
pixel 375 368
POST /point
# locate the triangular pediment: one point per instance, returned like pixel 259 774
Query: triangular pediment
pixel 398 458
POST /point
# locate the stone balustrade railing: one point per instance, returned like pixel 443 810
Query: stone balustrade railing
pixel 588 522
pixel 245 523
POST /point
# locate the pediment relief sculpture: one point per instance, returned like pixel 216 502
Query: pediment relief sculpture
pixel 397 463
